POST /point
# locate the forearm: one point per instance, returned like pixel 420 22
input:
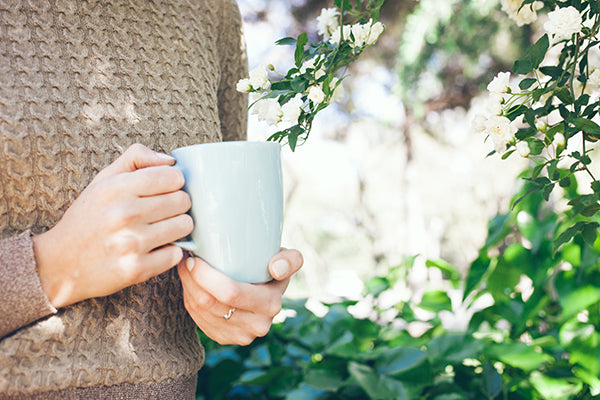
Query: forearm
pixel 22 299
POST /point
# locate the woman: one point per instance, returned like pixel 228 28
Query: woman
pixel 91 306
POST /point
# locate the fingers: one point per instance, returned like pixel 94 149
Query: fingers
pixel 262 299
pixel 161 207
pixel 241 328
pixel 285 264
pixel 157 261
pixel 150 181
pixel 136 157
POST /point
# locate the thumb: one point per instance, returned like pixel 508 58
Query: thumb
pixel 137 156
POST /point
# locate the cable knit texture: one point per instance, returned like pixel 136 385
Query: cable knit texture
pixel 80 81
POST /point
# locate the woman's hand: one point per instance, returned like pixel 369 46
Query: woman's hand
pixel 116 233
pixel 209 296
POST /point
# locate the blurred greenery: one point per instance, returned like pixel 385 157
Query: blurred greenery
pixel 535 341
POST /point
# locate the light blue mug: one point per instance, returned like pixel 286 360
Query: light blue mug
pixel 237 205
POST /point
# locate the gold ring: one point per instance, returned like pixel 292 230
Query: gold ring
pixel 229 314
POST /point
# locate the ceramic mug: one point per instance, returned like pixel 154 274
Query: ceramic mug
pixel 237 205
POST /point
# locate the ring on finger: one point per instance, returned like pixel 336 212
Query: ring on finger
pixel 229 314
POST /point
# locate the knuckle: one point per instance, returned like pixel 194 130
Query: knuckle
pixel 273 309
pixel 123 245
pixel 232 296
pixel 136 148
pixel 262 329
pixel 185 223
pixel 206 301
pixel 245 340
pixel 178 178
pixel 183 200
pixel 131 270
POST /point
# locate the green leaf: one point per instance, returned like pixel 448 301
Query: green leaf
pixel 567 235
pixel 450 270
pixel 493 381
pixel 519 355
pixel 586 125
pixel 522 67
pixel 555 388
pixel 477 271
pixel 376 386
pixel 554 72
pixel 564 94
pixel 343 5
pixel 304 392
pixel 436 301
pixel 574 301
pixel 537 52
pixel 526 83
pixel 398 360
pixel 590 232
pixel 323 378
pixel 286 41
pixel 299 53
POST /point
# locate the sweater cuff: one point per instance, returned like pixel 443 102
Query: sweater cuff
pixel 22 299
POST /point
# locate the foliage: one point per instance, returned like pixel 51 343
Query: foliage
pixel 538 339
pixel 319 68
pixel 450 50
pixel 553 111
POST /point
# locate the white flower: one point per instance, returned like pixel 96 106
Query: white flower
pixel 292 109
pixel 523 149
pixel 335 35
pixel 316 95
pixel 526 15
pixel 564 22
pixel 328 22
pixel 268 110
pixel 500 130
pixel 361 34
pixel 259 78
pixel 559 140
pixel 376 30
pixel 479 123
pixel 500 84
pixel 594 78
pixel 244 85
pixel 541 126
pixel 310 64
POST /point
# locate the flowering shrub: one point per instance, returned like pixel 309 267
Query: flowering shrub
pixel 550 115
pixel 291 103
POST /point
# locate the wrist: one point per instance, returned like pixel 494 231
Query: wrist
pixel 50 271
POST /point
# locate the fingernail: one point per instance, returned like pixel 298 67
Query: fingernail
pixel 190 263
pixel 164 156
pixel 280 268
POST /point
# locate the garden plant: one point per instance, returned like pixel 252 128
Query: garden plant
pixel 524 321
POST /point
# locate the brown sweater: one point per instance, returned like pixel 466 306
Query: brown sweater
pixel 81 80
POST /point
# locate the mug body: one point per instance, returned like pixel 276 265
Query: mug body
pixel 237 205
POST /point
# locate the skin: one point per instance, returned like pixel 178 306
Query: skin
pixel 117 233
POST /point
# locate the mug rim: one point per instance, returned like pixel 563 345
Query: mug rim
pixel 235 143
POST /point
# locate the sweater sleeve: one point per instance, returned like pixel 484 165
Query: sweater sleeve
pixel 22 299
pixel 233 105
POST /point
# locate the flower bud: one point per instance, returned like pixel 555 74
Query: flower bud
pixel 559 140
pixel 523 149
pixel 541 126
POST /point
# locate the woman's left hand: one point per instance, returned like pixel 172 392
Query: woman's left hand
pixel 210 296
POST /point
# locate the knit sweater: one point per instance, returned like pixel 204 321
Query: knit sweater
pixel 80 81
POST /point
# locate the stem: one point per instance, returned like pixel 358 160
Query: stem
pixel 585 167
pixel 575 57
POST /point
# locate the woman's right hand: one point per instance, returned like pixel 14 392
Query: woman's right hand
pixel 117 232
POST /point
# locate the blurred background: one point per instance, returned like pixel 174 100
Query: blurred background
pixel 395 169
